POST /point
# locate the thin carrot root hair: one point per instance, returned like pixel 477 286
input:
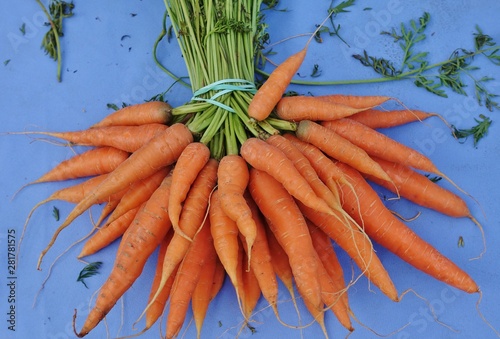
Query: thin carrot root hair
pixel 431 308
pixel 483 236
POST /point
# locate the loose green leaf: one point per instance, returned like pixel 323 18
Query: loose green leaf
pixel 55 213
pixel 6 62
pixel 478 131
pixel 89 271
pixel 461 242
pixel 57 12
pixel 23 28
pixel 316 72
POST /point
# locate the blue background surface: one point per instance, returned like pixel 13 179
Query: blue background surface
pixel 101 67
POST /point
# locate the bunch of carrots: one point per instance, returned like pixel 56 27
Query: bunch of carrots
pixel 248 184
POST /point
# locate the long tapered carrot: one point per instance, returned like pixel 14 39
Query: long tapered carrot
pixel 150 112
pixel 93 162
pixel 202 294
pixel 306 169
pixel 273 161
pixel 364 102
pixel 139 192
pixel 290 229
pixel 161 151
pixel 249 288
pixel 140 240
pixel 339 148
pixel 187 167
pixel 380 145
pixel 351 238
pixel 158 306
pixel 323 245
pixel 187 278
pixel 387 230
pixel 193 215
pixel 281 265
pixel 225 234
pixel 376 119
pixel 232 182
pixel 273 88
pixel 421 190
pixel 333 288
pixel 108 233
pixel 260 259
pixel 298 108
pixel 126 138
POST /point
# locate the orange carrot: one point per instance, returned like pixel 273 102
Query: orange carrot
pixel 203 294
pixel 249 288
pixel 357 245
pixel 339 148
pixel 158 307
pixel 306 170
pixel 374 118
pixel 161 151
pixel 232 183
pixel 277 205
pixel 356 101
pixel 187 278
pixel 93 162
pixel 270 93
pixel 421 190
pixel 192 217
pixel 281 264
pixel 108 233
pixel 260 258
pixel 126 138
pixel 225 234
pixel 323 165
pixel 189 164
pixel 139 241
pixel 150 112
pixel 378 145
pixel 301 107
pixel 139 192
pixel 333 287
pixel 331 298
pixel 386 229
pixel 268 158
pixel 323 246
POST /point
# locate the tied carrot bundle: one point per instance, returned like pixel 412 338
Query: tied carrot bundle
pixel 151 112
pixel 387 230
